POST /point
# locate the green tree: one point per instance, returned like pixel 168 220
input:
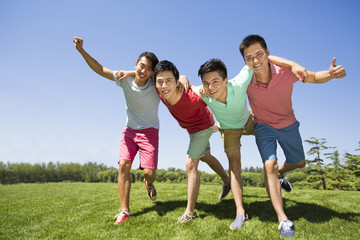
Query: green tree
pixel 315 169
pixel 335 174
pixel 353 168
pixel 353 162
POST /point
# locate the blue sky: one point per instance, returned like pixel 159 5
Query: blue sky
pixel 53 107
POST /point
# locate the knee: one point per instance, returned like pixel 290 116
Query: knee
pixel 206 157
pixel 234 160
pixel 235 167
pixel 149 173
pixel 271 167
pixel 124 166
pixel 302 164
pixel 191 165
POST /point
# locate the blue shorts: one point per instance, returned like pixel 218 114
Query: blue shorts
pixel 289 139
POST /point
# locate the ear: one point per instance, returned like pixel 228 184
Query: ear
pixel 268 52
pixel 226 81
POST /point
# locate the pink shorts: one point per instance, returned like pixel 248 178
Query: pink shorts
pixel 146 141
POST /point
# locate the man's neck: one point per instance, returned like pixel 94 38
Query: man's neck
pixel 175 98
pixel 140 83
pixel 264 76
pixel 223 97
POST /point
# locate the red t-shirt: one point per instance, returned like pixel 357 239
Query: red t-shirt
pixel 191 112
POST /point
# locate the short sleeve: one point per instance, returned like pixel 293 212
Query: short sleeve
pixel 118 82
pixel 244 77
pixel 197 91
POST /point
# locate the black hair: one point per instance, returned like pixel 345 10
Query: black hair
pixel 166 66
pixel 250 40
pixel 213 65
pixel 150 56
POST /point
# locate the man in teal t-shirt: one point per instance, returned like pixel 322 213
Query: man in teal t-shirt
pixel 227 101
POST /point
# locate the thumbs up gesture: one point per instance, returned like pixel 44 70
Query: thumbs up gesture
pixel 336 71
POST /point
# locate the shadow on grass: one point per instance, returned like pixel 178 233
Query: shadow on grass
pixel 311 212
pixel 261 209
pixel 222 210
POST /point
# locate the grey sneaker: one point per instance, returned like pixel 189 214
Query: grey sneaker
pixel 285 184
pixel 185 218
pixel 225 191
pixel 287 228
pixel 239 220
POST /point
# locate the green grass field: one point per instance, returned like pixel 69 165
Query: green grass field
pixel 85 211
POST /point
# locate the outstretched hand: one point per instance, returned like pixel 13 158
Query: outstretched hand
pixel 336 71
pixel 78 43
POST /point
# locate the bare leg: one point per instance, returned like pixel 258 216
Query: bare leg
pixel 150 175
pixel 273 188
pixel 287 167
pixel 235 179
pixel 124 184
pixel 215 165
pixel 193 185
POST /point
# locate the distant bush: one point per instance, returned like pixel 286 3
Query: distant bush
pixel 253 179
pixel 296 176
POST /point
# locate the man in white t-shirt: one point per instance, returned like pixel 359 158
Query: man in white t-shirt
pixel 141 133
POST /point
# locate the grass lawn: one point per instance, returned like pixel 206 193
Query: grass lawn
pixel 85 211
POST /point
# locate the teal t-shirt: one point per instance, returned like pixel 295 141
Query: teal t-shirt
pixel 235 113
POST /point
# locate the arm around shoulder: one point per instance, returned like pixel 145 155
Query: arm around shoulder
pixel 300 72
pixel 244 76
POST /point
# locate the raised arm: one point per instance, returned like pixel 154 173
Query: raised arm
pixel 300 72
pixel 325 76
pixel 93 64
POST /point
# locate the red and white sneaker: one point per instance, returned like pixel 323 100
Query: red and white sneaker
pixel 150 190
pixel 121 217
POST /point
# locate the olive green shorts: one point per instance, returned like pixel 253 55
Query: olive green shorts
pixel 199 143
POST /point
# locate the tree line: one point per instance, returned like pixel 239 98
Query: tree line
pixel 12 173
pixel 341 173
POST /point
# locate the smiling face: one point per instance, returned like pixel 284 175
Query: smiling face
pixel 167 85
pixel 256 57
pixel 215 86
pixel 144 70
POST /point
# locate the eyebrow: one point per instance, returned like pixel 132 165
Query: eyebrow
pixel 167 79
pixel 143 64
pixel 254 54
pixel 211 80
pixel 215 78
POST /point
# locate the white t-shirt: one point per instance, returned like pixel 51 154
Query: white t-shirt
pixel 142 103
